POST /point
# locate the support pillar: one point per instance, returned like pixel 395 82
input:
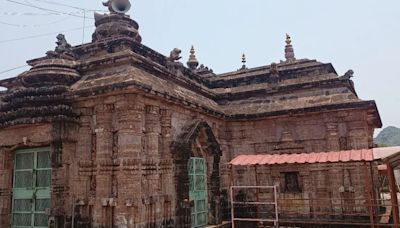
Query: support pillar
pixel 393 194
pixel 5 187
pixel 128 154
pixel 103 180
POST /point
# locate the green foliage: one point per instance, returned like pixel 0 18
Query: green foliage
pixel 389 136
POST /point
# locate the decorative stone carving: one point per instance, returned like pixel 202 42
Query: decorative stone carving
pixel 192 63
pixel 289 51
pixel 175 55
pixel 62 47
pixel 349 74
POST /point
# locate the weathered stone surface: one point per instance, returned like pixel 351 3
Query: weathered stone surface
pixel 122 122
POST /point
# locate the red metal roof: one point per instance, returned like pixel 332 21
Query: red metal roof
pixel 384 152
pixel 303 158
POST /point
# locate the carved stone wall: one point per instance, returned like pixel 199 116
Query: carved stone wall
pixel 117 165
pixel 332 131
pixel 124 164
pixel 6 164
pixel 319 132
pixel 325 191
pixel 13 139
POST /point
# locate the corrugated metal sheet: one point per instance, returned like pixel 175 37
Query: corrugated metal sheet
pixel 389 155
pixel 384 152
pixel 304 158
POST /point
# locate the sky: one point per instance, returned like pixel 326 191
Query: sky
pixel 361 35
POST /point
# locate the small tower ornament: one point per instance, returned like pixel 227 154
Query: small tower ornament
pixel 244 67
pixel 289 51
pixel 192 63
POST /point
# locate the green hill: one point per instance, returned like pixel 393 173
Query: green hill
pixel 389 136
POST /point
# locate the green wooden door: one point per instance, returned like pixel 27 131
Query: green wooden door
pixel 31 188
pixel 198 191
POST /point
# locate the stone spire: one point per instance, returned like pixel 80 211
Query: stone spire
pixel 116 24
pixel 192 63
pixel 243 62
pixel 289 51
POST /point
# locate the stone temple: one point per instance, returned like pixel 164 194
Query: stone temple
pixel 114 134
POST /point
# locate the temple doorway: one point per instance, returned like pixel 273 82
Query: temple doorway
pixel 198 191
pixel 197 155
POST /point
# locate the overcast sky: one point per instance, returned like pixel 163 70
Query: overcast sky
pixel 362 35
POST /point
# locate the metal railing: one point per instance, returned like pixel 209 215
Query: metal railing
pixel 259 205
pixel 258 210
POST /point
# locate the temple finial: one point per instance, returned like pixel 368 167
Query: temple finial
pixel 289 51
pixel 244 62
pixel 192 63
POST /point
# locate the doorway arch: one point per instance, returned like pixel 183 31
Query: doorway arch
pixel 186 145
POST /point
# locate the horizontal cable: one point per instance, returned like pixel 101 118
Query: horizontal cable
pixel 34 25
pixel 15 68
pixel 48 10
pixel 42 35
pixel 69 6
pixel 9 13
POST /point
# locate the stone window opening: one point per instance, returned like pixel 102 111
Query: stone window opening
pixel 291 182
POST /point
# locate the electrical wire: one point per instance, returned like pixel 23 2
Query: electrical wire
pixel 15 68
pixel 8 13
pixel 34 25
pixel 42 35
pixel 69 6
pixel 46 9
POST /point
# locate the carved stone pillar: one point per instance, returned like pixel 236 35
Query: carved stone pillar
pixel 151 183
pixel 63 149
pixel 5 187
pixel 128 130
pixel 166 134
pixel 332 137
pixel 153 131
pixel 83 174
pixel 166 164
pixel 357 135
pixel 103 163
pixel 129 126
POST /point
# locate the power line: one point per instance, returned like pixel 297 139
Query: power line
pixel 34 25
pixel 84 11
pixel 45 9
pixel 42 35
pixel 15 68
pixel 9 13
pixel 65 5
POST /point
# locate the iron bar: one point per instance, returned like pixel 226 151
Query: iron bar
pixel 393 194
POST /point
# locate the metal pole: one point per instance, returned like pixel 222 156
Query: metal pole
pixel 371 212
pixel 257 191
pixel 276 207
pixel 393 194
pixel 73 212
pixel 373 190
pixel 232 206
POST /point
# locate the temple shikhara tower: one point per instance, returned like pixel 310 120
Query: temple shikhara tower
pixel 112 133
